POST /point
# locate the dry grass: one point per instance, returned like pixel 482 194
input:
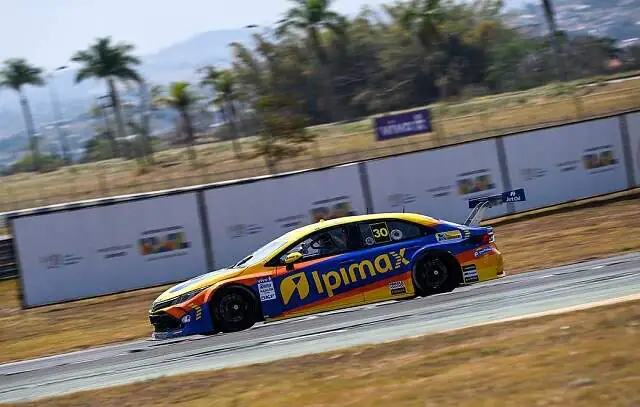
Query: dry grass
pixel 552 240
pixel 583 358
pixel 476 119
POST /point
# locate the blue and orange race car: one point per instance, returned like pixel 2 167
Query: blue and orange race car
pixel 329 265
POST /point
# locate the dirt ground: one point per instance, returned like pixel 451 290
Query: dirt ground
pixel 551 240
pixel 582 358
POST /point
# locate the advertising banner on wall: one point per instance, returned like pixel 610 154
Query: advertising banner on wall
pixel 106 249
pixel 244 217
pixel 633 122
pixel 566 163
pixel 402 124
pixel 437 183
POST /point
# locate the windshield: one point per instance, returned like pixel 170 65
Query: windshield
pixel 263 252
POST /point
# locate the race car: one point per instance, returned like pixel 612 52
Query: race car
pixel 329 265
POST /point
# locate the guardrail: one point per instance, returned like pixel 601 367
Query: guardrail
pixel 7 258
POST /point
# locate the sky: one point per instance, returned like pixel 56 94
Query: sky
pixel 48 32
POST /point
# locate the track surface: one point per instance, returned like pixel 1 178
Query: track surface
pixel 509 297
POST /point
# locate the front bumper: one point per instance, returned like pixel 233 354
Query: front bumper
pixel 177 322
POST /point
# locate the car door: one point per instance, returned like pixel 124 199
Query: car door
pixel 389 245
pixel 316 282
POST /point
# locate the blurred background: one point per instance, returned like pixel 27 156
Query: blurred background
pixel 302 91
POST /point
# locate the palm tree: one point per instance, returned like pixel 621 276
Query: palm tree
pixel 421 18
pixel 310 17
pixel 110 62
pixel 223 83
pixel 16 74
pixel 182 99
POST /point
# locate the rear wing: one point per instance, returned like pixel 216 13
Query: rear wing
pixel 480 205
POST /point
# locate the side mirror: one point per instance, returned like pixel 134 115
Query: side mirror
pixel 292 258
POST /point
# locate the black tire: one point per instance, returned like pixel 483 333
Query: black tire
pixel 233 309
pixel 435 274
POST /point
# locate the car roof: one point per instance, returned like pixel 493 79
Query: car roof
pixel 324 224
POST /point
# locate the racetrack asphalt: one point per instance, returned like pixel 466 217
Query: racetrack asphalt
pixel 510 297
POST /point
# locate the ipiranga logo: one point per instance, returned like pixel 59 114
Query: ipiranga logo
pixel 328 282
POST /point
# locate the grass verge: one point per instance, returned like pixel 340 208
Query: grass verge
pixel 530 244
pixel 582 358
pixel 477 118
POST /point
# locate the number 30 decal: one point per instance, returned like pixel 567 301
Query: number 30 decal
pixel 380 232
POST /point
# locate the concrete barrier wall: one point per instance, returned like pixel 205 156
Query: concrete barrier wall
pixel 437 182
pixel 70 253
pixel 243 217
pixel 92 251
pixel 566 163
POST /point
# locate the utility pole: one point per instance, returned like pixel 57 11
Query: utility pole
pixel 57 117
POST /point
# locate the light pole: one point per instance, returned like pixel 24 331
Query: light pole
pixel 57 117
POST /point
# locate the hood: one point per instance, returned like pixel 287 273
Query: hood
pixel 204 280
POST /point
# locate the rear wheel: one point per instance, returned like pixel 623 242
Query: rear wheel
pixel 436 273
pixel 233 309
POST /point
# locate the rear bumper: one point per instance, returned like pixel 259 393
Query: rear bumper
pixel 166 326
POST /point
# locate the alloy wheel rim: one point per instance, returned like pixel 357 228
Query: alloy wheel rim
pixel 233 307
pixel 435 273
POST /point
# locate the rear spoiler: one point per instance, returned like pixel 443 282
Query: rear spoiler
pixel 480 205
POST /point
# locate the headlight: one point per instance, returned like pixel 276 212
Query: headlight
pixel 178 300
pixel 187 296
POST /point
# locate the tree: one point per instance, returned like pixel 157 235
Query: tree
pixel 110 62
pixel 310 17
pixel 16 74
pixel 226 100
pixel 183 100
pixel 147 105
pixel 223 83
pixel 421 18
pixel 282 130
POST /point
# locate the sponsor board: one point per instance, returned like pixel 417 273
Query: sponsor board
pixel 437 183
pixel 301 199
pixel 586 163
pixel 402 124
pixel 107 249
pixel 514 196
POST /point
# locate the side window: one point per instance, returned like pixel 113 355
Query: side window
pixel 383 232
pixel 321 244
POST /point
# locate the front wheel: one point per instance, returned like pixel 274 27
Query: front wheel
pixel 435 274
pixel 233 310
